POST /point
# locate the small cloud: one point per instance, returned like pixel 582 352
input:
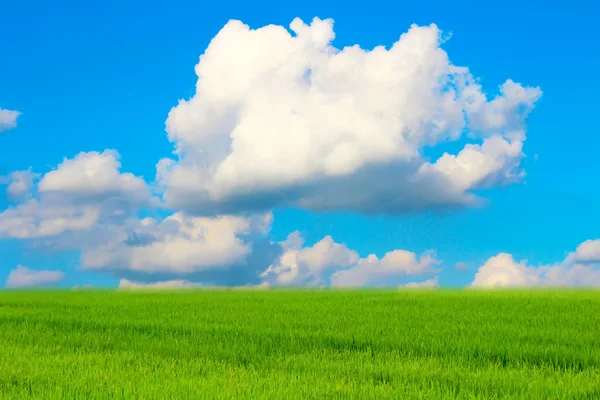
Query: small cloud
pixel 76 196
pixel 22 277
pixel 221 250
pixel 588 252
pixel 173 284
pixel 394 265
pixel 8 119
pixel 20 184
pixel 429 283
pixel 462 266
pixel 82 287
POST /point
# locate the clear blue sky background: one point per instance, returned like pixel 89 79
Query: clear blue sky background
pixel 90 75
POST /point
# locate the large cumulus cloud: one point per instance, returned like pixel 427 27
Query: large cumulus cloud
pixel 281 119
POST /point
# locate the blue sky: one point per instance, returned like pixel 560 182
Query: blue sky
pixel 104 75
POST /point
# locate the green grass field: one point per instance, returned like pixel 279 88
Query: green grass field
pixel 300 344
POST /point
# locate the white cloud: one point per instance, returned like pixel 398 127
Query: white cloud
pixel 94 175
pixel 174 284
pixel 178 243
pixel 219 250
pixel 82 287
pixel 588 251
pixel 309 266
pixel 503 271
pixel 21 184
pixel 35 219
pixel 495 162
pixel 125 284
pixel 22 277
pixel 395 265
pixel 75 196
pixel 8 119
pixel 429 283
pixel 330 263
pixel 281 119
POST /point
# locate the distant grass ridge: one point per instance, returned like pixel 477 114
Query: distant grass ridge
pixel 285 344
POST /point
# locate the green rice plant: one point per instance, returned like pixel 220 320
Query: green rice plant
pixel 304 344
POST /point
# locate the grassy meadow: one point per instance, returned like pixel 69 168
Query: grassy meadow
pixel 283 344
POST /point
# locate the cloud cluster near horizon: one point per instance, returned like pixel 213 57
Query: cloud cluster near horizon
pixel 580 268
pixel 284 119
